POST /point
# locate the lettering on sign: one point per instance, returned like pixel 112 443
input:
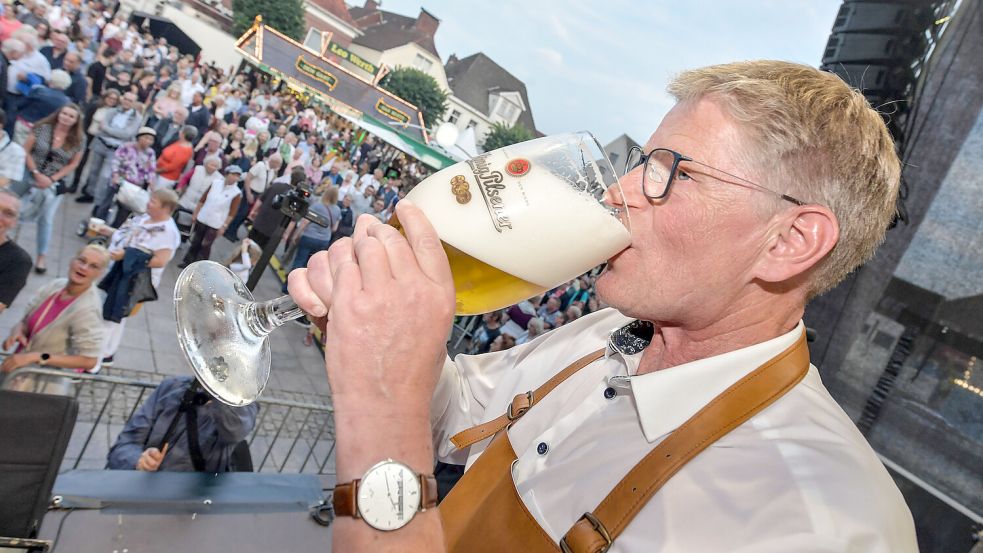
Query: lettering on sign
pixel 491 186
pixel 392 112
pixel 317 73
pixel 352 57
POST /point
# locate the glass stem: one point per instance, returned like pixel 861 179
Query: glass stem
pixel 264 316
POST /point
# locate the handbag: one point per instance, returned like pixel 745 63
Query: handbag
pixel 133 197
pixel 143 290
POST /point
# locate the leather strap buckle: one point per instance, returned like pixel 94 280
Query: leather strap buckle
pixel 516 409
pixel 598 527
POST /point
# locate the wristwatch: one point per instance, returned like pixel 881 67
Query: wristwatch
pixel 44 359
pixel 387 497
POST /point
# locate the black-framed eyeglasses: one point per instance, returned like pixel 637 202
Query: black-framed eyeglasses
pixel 662 169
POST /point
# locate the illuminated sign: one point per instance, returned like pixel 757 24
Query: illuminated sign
pixel 352 58
pixel 392 112
pixel 316 73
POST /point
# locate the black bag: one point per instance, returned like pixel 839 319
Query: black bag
pixel 143 290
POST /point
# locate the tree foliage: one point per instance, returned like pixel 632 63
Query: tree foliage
pixel 286 16
pixel 502 135
pixel 419 89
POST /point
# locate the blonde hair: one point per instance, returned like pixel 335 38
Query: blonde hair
pixel 807 134
pixel 168 198
pixel 99 250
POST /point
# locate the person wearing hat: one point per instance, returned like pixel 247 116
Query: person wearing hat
pixel 134 162
pixel 215 210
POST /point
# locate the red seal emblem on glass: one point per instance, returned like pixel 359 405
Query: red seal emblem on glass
pixel 517 167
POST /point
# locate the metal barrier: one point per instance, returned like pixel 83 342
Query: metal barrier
pixel 289 436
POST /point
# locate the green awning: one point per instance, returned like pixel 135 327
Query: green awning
pixel 408 145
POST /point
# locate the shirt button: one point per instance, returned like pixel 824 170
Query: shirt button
pixel 610 392
pixel 542 448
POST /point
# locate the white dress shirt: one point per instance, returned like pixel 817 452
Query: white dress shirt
pixel 798 476
pixel 215 210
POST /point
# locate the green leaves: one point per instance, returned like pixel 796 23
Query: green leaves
pixel 286 16
pixel 502 135
pixel 419 89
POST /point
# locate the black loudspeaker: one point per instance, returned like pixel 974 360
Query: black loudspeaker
pixel 874 80
pixel 34 433
pixel 873 48
pixel 865 17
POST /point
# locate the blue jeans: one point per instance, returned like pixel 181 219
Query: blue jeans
pixel 306 247
pixel 40 204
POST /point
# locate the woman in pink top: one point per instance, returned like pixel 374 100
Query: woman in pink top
pixel 62 325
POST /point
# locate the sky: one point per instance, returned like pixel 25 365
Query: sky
pixel 603 66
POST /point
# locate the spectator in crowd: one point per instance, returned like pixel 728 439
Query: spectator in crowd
pixel 572 313
pixel 42 100
pixel 93 114
pixel 11 157
pixel 180 427
pixel 133 162
pixel 10 51
pixel 491 327
pixel 175 158
pixel 78 91
pixel 210 146
pixel 535 327
pixel 15 263
pixel 169 130
pixel 346 225
pixel 168 102
pixel 54 149
pixel 216 209
pixel 311 238
pixel 502 342
pixel 550 311
pixel 259 176
pixel 203 177
pixel 191 86
pixel 379 210
pixel 198 114
pixel 27 71
pixel 363 202
pixel 153 232
pixel 98 70
pixel 119 125
pixel 8 23
pixel 55 53
pixel 62 323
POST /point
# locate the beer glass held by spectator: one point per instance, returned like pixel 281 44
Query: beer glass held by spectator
pixel 216 209
pixel 160 435
pixel 15 263
pixel 134 162
pixel 154 232
pixel 312 238
pixel 54 149
pixel 174 158
pixel 62 323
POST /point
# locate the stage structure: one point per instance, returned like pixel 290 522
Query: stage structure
pixel 371 107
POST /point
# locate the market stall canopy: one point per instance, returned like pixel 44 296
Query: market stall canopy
pixel 163 27
pixel 312 73
pixel 408 144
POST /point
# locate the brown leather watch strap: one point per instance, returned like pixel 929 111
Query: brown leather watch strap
pixel 595 532
pixel 345 497
pixel 520 404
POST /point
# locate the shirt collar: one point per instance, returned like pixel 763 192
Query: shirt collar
pixel 667 398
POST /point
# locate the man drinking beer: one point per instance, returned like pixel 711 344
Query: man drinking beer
pixel 687 417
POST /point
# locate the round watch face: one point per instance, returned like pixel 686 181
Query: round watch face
pixel 388 495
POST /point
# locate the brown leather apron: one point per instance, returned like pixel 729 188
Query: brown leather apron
pixel 483 512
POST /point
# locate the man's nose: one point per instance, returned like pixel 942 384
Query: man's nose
pixel 628 192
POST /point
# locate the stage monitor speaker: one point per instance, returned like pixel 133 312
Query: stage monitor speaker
pixel 873 48
pixel 34 433
pixel 883 17
pixel 875 80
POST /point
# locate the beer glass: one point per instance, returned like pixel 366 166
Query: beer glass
pixel 514 223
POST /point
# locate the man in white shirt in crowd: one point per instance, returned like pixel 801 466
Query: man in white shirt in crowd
pixel 190 86
pixel 373 179
pixel 260 175
pixel 748 200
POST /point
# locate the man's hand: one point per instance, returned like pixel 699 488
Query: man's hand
pixel 42 181
pixel 151 459
pixel 18 360
pixel 116 255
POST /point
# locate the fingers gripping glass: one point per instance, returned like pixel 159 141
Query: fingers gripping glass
pixel 661 169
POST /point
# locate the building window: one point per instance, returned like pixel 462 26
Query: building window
pixel 472 124
pixel 613 157
pixel 507 110
pixel 313 40
pixel 422 63
pixel 454 116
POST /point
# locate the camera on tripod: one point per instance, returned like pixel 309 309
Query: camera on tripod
pixel 295 203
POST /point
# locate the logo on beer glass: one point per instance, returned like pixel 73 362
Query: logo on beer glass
pixel 460 189
pixel 517 167
pixel 491 185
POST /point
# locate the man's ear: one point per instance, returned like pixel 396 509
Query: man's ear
pixel 803 236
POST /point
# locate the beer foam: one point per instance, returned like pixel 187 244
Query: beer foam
pixel 538 227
